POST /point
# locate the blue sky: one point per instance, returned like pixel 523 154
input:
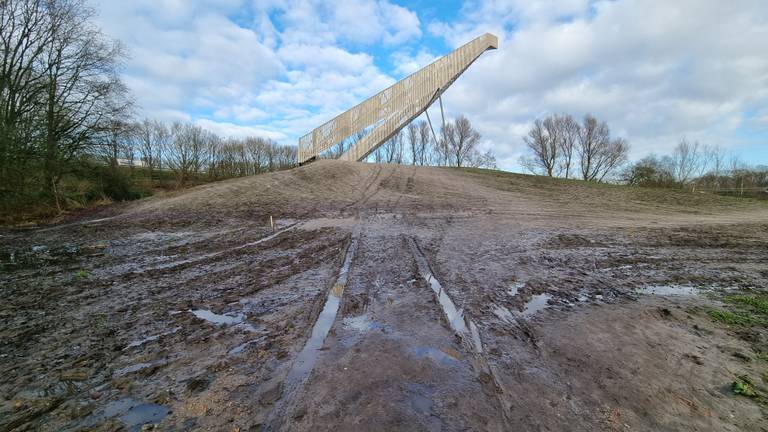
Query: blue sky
pixel 656 70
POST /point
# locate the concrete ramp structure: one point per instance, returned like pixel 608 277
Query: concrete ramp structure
pixel 385 113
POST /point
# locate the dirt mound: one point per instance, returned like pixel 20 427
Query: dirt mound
pixel 337 189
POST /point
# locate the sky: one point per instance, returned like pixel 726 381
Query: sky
pixel 655 70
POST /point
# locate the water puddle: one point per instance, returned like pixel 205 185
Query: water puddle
pixel 515 288
pixel 265 239
pixel 240 348
pixel 669 290
pixel 37 256
pixel 537 303
pixel 357 326
pixel 134 415
pixel 459 323
pixel 307 358
pixel 420 398
pixel 225 319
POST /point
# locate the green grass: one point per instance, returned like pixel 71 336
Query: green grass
pixel 82 274
pixel 743 386
pixel 731 318
pixel 757 303
pixel 747 311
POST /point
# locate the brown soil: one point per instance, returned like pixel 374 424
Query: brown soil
pixel 98 330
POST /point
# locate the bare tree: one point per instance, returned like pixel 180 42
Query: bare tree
pixel 116 138
pixel 687 160
pixel 84 94
pixel 737 171
pixel 593 137
pixel 599 156
pixel 543 149
pixel 718 165
pixel 461 140
pixel 152 137
pixel 482 160
pixel 412 133
pixel 392 149
pixel 25 32
pixel 256 149
pixel 424 140
pixel 180 152
pixel 569 130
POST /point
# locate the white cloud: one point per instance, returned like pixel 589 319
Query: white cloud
pixel 323 58
pixel 276 64
pixel 403 23
pixel 406 64
pixel 656 71
pixel 231 130
pixel 368 21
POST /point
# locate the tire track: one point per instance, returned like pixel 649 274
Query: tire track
pixel 304 363
pixel 378 189
pixel 465 328
pixel 364 196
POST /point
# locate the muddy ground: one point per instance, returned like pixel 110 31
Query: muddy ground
pixel 388 298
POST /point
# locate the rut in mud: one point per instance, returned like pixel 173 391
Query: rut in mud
pixel 388 298
pixel 305 361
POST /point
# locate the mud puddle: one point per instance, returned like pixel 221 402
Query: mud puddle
pixel 228 319
pixel 514 288
pixel 535 304
pixel 38 256
pixel 135 416
pixel 462 325
pixel 307 358
pixel 670 290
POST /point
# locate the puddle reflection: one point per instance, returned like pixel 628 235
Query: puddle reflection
pixel 460 324
pixel 307 358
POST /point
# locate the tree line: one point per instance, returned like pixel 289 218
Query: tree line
pixel 698 167
pixel 561 146
pixel 418 144
pixel 192 152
